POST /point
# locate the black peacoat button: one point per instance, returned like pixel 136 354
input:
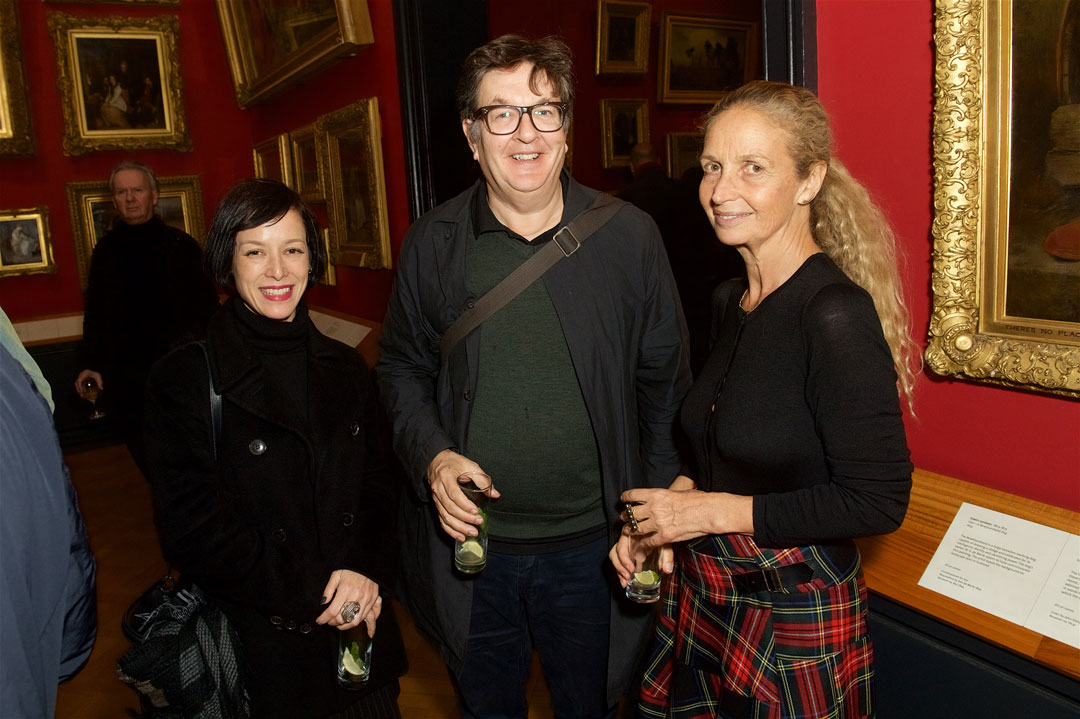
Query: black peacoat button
pixel 354 429
pixel 305 628
pixel 290 625
pixel 468 395
pixel 256 447
pixel 276 620
pixel 347 519
pixel 279 535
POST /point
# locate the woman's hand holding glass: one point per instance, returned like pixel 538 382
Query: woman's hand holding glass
pixel 347 586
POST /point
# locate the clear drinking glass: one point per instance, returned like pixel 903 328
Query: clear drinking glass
pixel 90 394
pixel 470 556
pixel 354 657
pixel 644 584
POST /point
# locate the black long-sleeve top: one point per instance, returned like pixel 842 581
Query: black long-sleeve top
pixel 806 419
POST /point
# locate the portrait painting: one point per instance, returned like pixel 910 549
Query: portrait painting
pixel 25 242
pixel 16 131
pixel 351 165
pixel 272 45
pixel 701 57
pixel 1006 269
pixel 622 37
pixel 623 124
pixel 92 213
pixel 120 83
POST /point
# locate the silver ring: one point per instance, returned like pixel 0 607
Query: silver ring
pixel 349 611
pixel 633 520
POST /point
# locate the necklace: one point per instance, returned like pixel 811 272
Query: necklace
pixel 742 299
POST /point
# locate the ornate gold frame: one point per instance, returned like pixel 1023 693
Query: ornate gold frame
pixel 640 12
pixel 16 131
pixel 350 31
pixel 277 149
pixel 298 140
pixel 355 123
pixel 969 336
pixel 667 94
pixel 39 215
pixel 163 30
pixel 84 197
pixel 608 110
pixel 678 143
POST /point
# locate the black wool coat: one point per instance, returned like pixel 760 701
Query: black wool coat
pixel 287 501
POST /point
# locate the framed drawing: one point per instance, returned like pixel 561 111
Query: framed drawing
pixel 683 152
pixel 120 83
pixel 1006 262
pixel 622 37
pixel 16 133
pixel 273 159
pixel 349 143
pixel 623 124
pixel 305 164
pixel 25 242
pixel 92 212
pixel 701 57
pixel 273 45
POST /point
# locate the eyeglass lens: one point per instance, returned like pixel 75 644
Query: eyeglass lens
pixel 504 119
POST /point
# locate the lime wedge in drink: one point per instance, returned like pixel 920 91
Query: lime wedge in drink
pixel 472 548
pixel 647 578
pixel 354 666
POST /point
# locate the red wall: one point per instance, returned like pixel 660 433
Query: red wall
pixel 875 75
pixel 222 136
pixel 575 21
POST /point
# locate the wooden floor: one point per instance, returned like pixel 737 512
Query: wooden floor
pixel 115 504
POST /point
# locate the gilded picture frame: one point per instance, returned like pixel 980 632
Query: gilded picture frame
pixel 349 142
pixel 135 3
pixel 980 226
pixel 623 124
pixel 272 159
pixel 92 212
pixel 702 56
pixel 16 130
pixel 305 164
pixel 120 83
pixel 273 46
pixel 329 276
pixel 683 152
pixel 26 243
pixel 622 37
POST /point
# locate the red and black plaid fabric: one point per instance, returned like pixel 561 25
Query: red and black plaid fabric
pixel 804 653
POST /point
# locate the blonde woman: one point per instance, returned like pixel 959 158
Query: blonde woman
pixel 797 429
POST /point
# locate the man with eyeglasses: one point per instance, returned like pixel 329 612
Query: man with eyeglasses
pixel 566 397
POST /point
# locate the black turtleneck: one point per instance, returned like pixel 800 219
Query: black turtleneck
pixel 280 346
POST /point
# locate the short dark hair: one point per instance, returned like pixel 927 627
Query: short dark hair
pixel 251 203
pixel 550 57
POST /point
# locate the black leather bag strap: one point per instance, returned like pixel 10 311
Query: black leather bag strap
pixel 215 401
pixel 565 243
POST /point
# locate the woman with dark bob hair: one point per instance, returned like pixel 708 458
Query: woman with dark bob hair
pixel 288 524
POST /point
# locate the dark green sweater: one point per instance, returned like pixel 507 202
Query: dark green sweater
pixel 529 428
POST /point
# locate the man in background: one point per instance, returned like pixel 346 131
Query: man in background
pixel 146 294
pixel 49 618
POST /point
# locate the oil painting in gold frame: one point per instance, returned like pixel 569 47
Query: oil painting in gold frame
pixel 120 83
pixel 683 152
pixel 25 242
pixel 701 56
pixel 273 159
pixel 305 164
pixel 994 250
pixel 351 165
pixel 622 37
pixel 92 213
pixel 623 124
pixel 272 45
pixel 16 133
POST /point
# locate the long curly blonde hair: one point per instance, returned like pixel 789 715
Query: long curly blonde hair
pixel 844 221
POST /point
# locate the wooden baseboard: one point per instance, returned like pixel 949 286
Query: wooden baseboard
pixel 893 564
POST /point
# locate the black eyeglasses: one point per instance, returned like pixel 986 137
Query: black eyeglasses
pixel 504 119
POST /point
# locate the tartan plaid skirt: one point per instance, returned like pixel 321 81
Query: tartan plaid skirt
pixel 804 653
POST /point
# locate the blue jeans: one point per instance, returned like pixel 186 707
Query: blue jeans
pixel 557 602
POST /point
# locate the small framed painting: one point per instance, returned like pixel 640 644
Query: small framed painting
pixel 25 242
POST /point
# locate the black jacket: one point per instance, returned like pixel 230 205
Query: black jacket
pixel 288 501
pixel 621 319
